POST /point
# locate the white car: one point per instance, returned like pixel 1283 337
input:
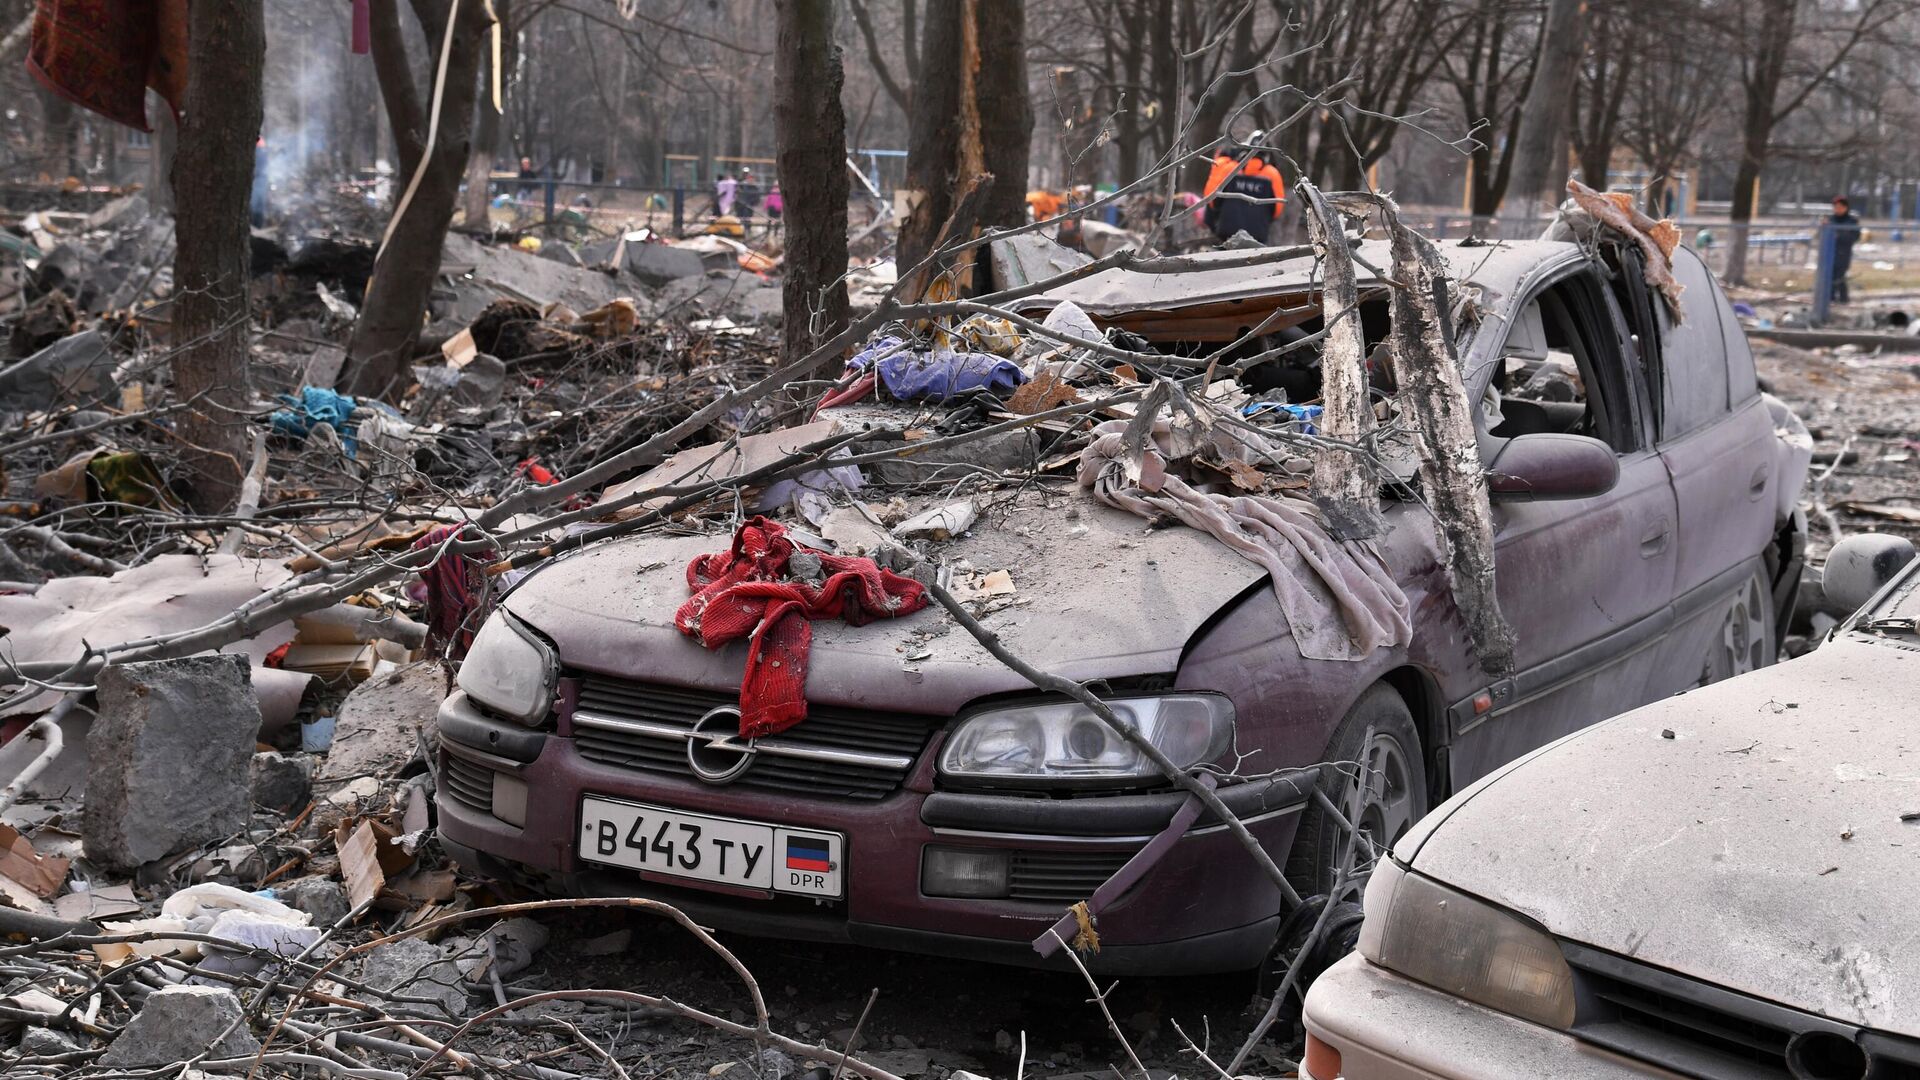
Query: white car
pixel 1722 884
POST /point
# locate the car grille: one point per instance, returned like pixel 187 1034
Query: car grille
pixel 1064 876
pixel 467 783
pixel 834 752
pixel 1700 1030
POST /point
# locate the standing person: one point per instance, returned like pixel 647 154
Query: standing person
pixel 528 174
pixel 1253 189
pixel 1846 230
pixel 723 193
pixel 747 196
pixel 776 202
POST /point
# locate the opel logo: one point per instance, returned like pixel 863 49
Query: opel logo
pixel 715 751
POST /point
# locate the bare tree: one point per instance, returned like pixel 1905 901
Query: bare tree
pixel 1372 60
pixel 1786 50
pixel 812 136
pixel 212 179
pixel 389 323
pixel 486 129
pixel 900 89
pixel 971 115
pixel 1540 153
pixel 1677 88
pixel 1490 67
pixel 1618 35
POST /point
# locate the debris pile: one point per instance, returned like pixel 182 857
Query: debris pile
pixel 220 839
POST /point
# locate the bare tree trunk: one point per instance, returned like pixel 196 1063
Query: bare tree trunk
pixel 212 180
pixel 1345 485
pixel 1745 180
pixel 933 134
pixel 480 167
pixel 1540 158
pixel 1005 114
pixel 1427 370
pixel 389 324
pixel 971 115
pixel 812 137
pixel 166 144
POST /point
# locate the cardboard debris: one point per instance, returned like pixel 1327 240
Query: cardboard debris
pixel 42 875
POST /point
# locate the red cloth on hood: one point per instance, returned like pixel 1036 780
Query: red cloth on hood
pixel 749 591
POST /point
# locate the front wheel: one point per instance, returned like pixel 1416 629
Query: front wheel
pixel 1381 786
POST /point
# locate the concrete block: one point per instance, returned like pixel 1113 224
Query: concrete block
pixel 169 758
pixel 282 782
pixel 323 899
pixel 179 1023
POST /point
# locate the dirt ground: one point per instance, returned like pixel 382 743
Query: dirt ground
pixel 932 1016
pixel 1863 410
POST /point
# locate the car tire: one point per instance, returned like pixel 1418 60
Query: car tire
pixel 1745 641
pixel 1395 797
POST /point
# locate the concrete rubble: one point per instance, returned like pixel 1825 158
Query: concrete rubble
pixel 183 1022
pixel 169 754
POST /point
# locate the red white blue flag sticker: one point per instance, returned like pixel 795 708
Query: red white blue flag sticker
pixel 808 853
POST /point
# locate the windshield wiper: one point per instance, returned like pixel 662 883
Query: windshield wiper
pixel 1898 625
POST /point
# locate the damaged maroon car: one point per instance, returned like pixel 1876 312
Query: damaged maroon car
pixel 1645 537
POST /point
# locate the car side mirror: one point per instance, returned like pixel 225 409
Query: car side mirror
pixel 1549 465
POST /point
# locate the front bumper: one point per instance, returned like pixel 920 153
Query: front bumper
pixel 1386 1027
pixel 1205 907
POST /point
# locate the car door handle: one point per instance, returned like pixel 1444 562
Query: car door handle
pixel 1757 486
pixel 1656 538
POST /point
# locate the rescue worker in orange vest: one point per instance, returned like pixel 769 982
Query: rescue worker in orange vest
pixel 1255 191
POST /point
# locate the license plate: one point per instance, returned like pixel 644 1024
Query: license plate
pixel 726 851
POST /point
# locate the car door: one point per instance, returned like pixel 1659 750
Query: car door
pixel 1716 439
pixel 1586 583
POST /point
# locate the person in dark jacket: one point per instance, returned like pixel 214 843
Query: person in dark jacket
pixel 1846 230
pixel 1255 194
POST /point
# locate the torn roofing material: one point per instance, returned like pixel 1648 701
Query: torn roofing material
pixel 1223 277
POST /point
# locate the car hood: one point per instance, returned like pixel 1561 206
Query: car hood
pixel 1099 595
pixel 1759 846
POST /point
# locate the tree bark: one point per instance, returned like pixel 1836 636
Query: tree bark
pixel 383 338
pixel 486 137
pixel 1540 157
pixel 1006 115
pixel 933 134
pixel 1345 486
pixel 212 179
pixel 812 137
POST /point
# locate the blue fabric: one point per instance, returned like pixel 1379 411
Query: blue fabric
pixel 316 405
pixel 911 375
pixel 1304 415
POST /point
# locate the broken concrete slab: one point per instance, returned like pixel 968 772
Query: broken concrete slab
pixel 655 265
pixel 46 1042
pixel 169 757
pixel 282 782
pixel 379 723
pixel 75 368
pixel 414 968
pixel 179 1023
pixel 323 899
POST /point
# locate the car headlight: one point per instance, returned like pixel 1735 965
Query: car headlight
pixel 1465 946
pixel 510 670
pixel 1067 743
